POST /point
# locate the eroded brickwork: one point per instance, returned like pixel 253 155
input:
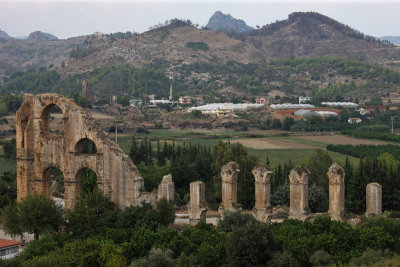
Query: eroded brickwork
pixel 336 177
pixel 298 178
pixel 374 199
pixel 229 175
pixel 197 205
pixel 262 206
pixel 38 150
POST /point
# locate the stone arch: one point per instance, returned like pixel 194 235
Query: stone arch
pixel 85 146
pixel 45 116
pixel 48 174
pixel 86 177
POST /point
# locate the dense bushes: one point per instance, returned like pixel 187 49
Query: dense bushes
pixel 373 135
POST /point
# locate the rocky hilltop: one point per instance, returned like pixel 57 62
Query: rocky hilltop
pixel 39 36
pixel 226 23
pixel 4 36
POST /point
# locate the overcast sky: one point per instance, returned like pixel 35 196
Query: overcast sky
pixel 72 18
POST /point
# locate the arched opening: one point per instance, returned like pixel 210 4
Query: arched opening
pixel 87 179
pixel 54 184
pixel 53 120
pixel 85 146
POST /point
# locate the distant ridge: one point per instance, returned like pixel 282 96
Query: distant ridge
pixel 228 24
pixel 5 36
pixel 39 36
pixel 393 39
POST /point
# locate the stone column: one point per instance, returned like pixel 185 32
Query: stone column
pixel 166 188
pixel 262 207
pixel 298 178
pixel 374 199
pixel 229 173
pixel 336 192
pixel 197 205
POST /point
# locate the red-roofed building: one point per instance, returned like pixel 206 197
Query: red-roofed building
pixel 8 248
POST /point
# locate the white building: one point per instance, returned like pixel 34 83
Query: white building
pixel 212 108
pixel 9 249
pixel 354 120
pixel 304 99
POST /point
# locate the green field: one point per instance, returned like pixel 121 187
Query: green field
pixel 275 156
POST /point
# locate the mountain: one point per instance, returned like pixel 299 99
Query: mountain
pixel 5 36
pixel 226 23
pixel 393 39
pixel 39 36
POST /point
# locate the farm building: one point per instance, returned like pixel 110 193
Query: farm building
pixel 354 120
pixel 8 249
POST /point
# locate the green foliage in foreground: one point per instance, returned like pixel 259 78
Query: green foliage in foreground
pixel 135 236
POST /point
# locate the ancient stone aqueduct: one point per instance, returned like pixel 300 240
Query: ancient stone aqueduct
pixel 38 150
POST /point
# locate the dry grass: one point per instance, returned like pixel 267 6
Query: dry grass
pixel 269 143
pixel 342 140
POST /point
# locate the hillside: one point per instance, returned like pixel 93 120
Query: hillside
pixel 4 36
pixel 301 35
pixel 19 55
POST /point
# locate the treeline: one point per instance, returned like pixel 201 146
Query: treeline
pixel 96 233
pixel 373 135
pixel 366 151
pixel 9 103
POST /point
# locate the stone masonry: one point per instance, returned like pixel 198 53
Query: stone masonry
pixel 262 207
pixel 336 177
pixel 298 178
pixel 197 205
pixel 166 188
pixel 374 199
pixel 229 174
pixel 38 150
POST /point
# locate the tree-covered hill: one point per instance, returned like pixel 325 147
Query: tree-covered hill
pixel 324 78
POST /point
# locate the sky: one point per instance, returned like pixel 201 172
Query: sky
pixel 73 18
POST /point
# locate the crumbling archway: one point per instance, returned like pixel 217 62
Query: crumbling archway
pixel 86 181
pixel 53 179
pixel 37 149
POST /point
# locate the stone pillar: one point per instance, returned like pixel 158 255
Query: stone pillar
pixel 336 192
pixel 229 173
pixel 298 178
pixel 197 205
pixel 262 206
pixel 166 188
pixel 374 199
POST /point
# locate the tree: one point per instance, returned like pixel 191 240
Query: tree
pixel 92 212
pixel 166 211
pixel 235 219
pixel 35 214
pixel 251 245
pixel 318 165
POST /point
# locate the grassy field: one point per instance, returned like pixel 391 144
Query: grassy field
pixel 275 156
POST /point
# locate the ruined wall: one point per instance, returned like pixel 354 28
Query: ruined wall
pixel 38 150
pixel 298 178
pixel 262 206
pixel 166 188
pixel 336 176
pixel 374 199
pixel 229 174
pixel 197 205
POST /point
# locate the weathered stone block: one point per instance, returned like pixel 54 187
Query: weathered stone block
pixel 197 205
pixel 374 199
pixel 229 174
pixel 298 178
pixel 166 188
pixel 262 206
pixel 336 177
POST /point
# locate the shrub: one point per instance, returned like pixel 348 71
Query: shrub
pixel 166 211
pixel 283 259
pixel 251 245
pixel 234 219
pixel 321 258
